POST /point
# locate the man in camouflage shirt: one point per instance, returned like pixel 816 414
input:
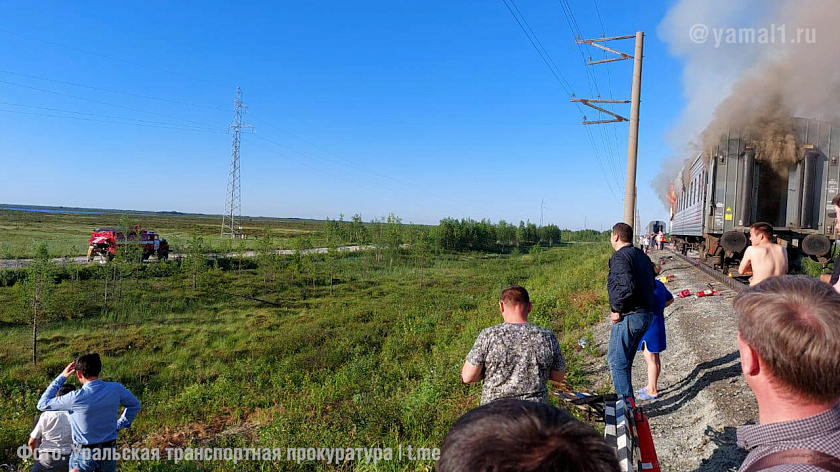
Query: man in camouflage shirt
pixel 514 358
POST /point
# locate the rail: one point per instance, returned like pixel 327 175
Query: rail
pixel 735 284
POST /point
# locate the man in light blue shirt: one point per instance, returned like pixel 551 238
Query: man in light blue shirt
pixel 93 411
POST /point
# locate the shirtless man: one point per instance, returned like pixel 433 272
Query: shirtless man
pixel 764 257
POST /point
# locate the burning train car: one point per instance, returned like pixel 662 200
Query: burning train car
pixel 721 192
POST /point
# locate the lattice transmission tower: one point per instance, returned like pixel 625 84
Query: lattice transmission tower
pixel 232 217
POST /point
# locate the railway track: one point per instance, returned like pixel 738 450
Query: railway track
pixel 733 283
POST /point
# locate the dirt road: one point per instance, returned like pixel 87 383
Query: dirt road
pixel 17 263
pixel 703 396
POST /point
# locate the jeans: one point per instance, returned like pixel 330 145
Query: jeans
pixel 49 462
pixel 94 460
pixel 624 340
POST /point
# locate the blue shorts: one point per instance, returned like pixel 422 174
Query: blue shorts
pixel 654 338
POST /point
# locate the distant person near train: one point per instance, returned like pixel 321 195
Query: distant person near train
pixel 660 240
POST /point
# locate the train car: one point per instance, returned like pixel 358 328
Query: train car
pixel 654 227
pixel 688 199
pixel 719 194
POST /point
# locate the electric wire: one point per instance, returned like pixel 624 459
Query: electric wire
pixel 611 126
pixel 116 59
pixel 610 152
pixel 223 130
pixel 179 128
pixel 104 103
pixel 557 74
pixel 325 155
pixel 546 57
pixel 365 173
pixel 129 94
pixel 397 195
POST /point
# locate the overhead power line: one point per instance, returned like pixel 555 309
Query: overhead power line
pixel 109 116
pixel 112 58
pixel 104 103
pixel 604 165
pixel 611 149
pixel 367 174
pixel 374 188
pixel 541 51
pixel 129 94
pixel 180 128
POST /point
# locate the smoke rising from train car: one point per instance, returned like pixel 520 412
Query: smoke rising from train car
pixel 750 84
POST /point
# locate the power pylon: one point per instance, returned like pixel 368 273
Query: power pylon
pixel 542 208
pixel 232 217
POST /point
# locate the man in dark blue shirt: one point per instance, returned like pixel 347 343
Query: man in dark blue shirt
pixel 93 413
pixel 630 285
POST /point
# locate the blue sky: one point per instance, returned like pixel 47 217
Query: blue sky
pixel 426 110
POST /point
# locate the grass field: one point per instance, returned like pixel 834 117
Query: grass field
pixel 352 350
pixel 67 234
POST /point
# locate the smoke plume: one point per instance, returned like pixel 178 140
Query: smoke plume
pixel 752 85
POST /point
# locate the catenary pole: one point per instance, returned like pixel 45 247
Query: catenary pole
pixel 633 138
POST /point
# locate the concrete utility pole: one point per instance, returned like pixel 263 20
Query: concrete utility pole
pixel 633 138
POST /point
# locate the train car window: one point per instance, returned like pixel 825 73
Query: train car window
pixel 696 189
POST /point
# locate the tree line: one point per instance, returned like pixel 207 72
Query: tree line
pixel 451 234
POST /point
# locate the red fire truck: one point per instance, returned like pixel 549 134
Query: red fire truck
pixel 105 241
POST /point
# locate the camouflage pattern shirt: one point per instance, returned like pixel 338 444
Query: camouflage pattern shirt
pixel 517 360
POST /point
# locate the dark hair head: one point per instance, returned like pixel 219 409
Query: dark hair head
pixel 515 435
pixel 515 295
pixel 624 232
pixel 836 200
pixel 89 365
pixel 763 228
pixel 65 389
